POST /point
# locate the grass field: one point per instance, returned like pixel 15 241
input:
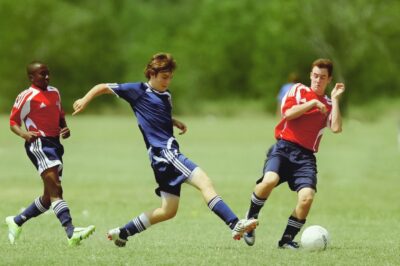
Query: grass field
pixel 107 181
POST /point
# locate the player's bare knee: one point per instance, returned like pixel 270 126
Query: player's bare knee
pixel 169 213
pixel 306 201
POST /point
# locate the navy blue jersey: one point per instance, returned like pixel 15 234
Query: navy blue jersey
pixel 153 111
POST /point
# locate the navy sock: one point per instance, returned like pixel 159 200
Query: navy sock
pixel 255 206
pixel 293 227
pixel 137 225
pixel 62 212
pixel 219 207
pixel 35 209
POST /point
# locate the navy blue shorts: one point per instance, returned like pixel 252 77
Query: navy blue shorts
pixel 45 153
pixel 294 165
pixel 171 168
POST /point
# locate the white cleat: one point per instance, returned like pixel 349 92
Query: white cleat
pixel 244 226
pixel 250 237
pixel 113 235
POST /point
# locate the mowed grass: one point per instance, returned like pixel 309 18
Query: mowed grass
pixel 108 180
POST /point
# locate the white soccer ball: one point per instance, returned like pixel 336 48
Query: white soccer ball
pixel 315 238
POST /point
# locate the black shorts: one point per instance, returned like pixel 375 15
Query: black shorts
pixel 294 165
pixel 45 153
pixel 171 168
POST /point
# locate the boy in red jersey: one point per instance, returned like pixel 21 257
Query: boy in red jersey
pixel 306 111
pixel 39 108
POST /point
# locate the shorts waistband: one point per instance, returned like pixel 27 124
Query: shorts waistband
pixel 296 146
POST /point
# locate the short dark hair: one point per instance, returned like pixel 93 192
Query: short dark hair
pixel 32 66
pixel 323 63
pixel 160 62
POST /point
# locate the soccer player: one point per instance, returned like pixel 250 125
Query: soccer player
pixel 152 105
pixel 39 108
pixel 306 111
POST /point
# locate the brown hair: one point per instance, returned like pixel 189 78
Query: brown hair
pixel 323 63
pixel 160 62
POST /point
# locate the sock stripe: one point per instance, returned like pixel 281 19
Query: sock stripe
pixel 214 202
pixel 257 201
pixel 39 205
pixel 295 224
pixel 140 227
pixel 60 206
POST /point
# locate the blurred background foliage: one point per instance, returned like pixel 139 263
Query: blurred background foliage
pixel 228 51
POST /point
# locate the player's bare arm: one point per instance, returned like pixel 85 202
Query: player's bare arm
pixel 29 136
pixel 64 132
pixel 80 104
pixel 179 125
pixel 298 110
pixel 336 117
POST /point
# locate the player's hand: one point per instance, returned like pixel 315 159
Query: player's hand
pixel 321 107
pixel 30 136
pixel 79 105
pixel 337 91
pixel 180 125
pixel 65 133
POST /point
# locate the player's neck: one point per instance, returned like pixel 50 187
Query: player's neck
pixel 39 88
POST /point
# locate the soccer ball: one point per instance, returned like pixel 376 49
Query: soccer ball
pixel 315 238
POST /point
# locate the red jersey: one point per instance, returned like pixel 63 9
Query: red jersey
pixel 40 111
pixel 307 129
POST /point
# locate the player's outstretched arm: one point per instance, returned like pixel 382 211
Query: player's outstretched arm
pixel 336 117
pixel 80 104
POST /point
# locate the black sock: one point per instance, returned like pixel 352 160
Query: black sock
pixel 293 227
pixel 35 209
pixel 256 204
pixel 62 212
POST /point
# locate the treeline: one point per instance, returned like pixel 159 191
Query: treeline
pixel 225 49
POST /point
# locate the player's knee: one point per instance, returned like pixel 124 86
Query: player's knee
pixel 306 200
pixel 46 201
pixel 270 180
pixel 169 213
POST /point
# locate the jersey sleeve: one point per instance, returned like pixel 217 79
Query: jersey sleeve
pixel 15 116
pixel 127 91
pixel 293 97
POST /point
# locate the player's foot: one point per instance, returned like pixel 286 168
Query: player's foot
pixel 250 237
pixel 288 245
pixel 244 226
pixel 113 235
pixel 13 229
pixel 79 234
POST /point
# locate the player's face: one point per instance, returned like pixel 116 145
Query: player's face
pixel 319 79
pixel 160 82
pixel 40 76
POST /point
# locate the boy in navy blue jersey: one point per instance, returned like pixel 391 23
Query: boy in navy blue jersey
pixel 39 108
pixel 151 103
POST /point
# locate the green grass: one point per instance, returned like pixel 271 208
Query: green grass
pixel 108 181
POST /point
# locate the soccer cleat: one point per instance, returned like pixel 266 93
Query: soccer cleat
pixel 250 237
pixel 113 235
pixel 79 234
pixel 288 245
pixel 243 226
pixel 13 229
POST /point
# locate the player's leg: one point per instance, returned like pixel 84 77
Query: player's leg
pixel 53 188
pixel 167 210
pixel 261 192
pixel 202 182
pixel 305 197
